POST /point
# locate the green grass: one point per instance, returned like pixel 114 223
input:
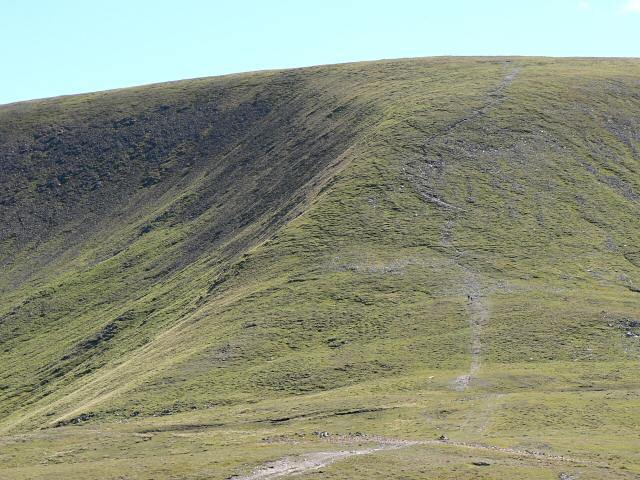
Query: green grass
pixel 275 254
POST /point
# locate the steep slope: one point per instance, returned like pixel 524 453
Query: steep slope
pixel 203 273
pixel 102 222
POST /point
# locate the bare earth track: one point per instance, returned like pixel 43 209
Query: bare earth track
pixel 294 465
pixel 478 317
pixel 309 462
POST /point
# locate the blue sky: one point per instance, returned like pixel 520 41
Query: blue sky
pixel 60 47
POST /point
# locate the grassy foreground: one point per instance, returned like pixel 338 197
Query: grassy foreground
pixel 202 277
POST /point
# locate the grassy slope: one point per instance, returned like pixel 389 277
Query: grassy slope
pixel 454 212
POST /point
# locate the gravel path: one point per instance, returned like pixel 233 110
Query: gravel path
pixel 478 318
pixel 292 465
pixel 312 461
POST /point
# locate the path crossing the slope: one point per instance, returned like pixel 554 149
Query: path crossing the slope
pixel 294 465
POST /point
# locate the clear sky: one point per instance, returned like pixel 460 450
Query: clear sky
pixel 55 47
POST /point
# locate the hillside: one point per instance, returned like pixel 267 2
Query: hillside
pixel 423 268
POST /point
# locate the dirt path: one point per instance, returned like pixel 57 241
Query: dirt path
pixel 479 312
pixel 495 98
pixel 428 175
pixel 478 318
pixel 312 461
pixel 478 308
pixel 293 465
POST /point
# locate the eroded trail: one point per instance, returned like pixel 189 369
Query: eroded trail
pixel 293 465
pixel 478 318
pixel 312 461
pixel 478 308
pixel 495 98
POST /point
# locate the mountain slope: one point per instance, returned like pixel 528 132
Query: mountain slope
pixel 404 248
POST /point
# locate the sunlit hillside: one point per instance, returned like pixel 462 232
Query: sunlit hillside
pixel 410 269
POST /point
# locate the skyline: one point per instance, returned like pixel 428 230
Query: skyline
pixel 69 47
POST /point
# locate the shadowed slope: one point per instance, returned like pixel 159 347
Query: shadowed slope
pixel 130 220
